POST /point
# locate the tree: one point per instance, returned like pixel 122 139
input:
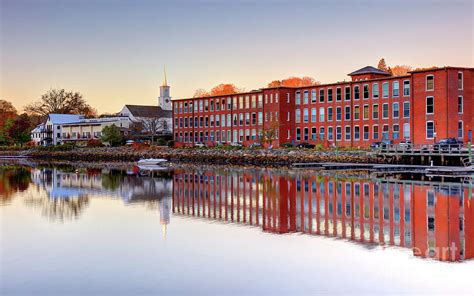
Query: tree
pixel 20 129
pixel 270 133
pixel 111 134
pixel 62 102
pixel 382 65
pixel 400 70
pixel 6 107
pixel 199 93
pixel 5 138
pixel 153 126
pixel 294 81
pixel 224 89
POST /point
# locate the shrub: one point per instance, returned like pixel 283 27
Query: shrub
pixel 94 143
pixel 319 147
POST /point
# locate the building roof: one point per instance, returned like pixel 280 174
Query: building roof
pixel 38 128
pixel 148 111
pixel 64 118
pixel 369 70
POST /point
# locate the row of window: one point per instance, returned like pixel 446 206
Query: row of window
pixel 303 134
pixel 221 136
pixel 430 129
pixel 327 94
pixel 223 120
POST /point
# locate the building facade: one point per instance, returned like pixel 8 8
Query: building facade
pixel 423 106
pixel 91 129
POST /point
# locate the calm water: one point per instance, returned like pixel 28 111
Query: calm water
pixel 214 230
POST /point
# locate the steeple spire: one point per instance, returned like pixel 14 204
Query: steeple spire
pixel 165 83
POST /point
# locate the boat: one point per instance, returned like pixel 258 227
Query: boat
pixel 152 162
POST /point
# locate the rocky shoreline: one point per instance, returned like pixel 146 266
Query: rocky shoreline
pixel 276 157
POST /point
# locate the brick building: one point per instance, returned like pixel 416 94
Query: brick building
pixel 423 106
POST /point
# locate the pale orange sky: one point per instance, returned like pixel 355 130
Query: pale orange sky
pixel 114 52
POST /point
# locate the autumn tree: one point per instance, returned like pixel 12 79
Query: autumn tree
pixel 199 93
pixel 6 107
pixel 20 129
pixel 269 133
pixel 62 102
pixel 382 65
pixel 294 82
pixel 400 70
pixel 224 89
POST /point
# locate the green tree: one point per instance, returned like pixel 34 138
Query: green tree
pixel 4 135
pixel 20 129
pixel 111 134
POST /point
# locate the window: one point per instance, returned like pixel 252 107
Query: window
pixel 313 114
pixel 347 112
pixel 429 129
pixel 287 98
pixel 297 115
pixel 356 132
pixel 288 116
pixel 406 109
pixel 375 90
pixel 313 96
pixel 460 129
pixel 298 98
pixel 375 132
pixel 321 133
pixel 396 131
pixel 305 115
pixel 338 113
pixel 366 112
pixel 396 89
pixel 260 118
pixel 260 101
pixel 366 91
pixel 314 134
pixel 385 111
pixel 385 90
pixel 298 134
pixel 347 93
pixel 406 88
pixel 356 92
pixel 338 133
pixel 305 97
pixel 330 133
pixel 460 81
pixel 321 114
pixel 429 105
pixel 356 112
pixel 306 134
pixel 329 113
pixel 321 95
pixel 406 131
pixel 366 132
pixel 338 94
pixel 375 111
pixel 347 133
pixel 460 105
pixel 385 132
pixel 429 82
pixel 395 110
pixel 329 94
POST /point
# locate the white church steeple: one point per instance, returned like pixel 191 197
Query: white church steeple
pixel 164 100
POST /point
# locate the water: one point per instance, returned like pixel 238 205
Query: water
pixel 215 230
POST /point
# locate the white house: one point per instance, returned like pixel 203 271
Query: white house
pixel 37 134
pixel 91 128
pixel 52 132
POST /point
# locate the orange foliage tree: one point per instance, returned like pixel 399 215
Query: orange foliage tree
pixel 400 70
pixel 221 89
pixel 294 82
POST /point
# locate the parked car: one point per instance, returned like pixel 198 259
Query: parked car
pixel 236 144
pixel 287 145
pixel 306 145
pixel 199 144
pixel 381 144
pixel 255 145
pixel 406 144
pixel 448 144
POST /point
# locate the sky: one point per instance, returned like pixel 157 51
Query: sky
pixel 114 52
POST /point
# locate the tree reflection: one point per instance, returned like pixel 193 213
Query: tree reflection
pixel 58 209
pixel 13 179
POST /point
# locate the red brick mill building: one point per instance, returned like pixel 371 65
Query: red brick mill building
pixel 423 106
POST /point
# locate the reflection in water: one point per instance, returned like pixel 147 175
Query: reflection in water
pixel 63 195
pixel 13 179
pixel 435 220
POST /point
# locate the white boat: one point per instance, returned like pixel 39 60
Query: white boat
pixel 155 162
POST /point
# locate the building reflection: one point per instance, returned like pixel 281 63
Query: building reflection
pixel 435 220
pixel 68 192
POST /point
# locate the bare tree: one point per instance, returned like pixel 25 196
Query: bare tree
pixel 270 133
pixel 62 102
pixel 154 125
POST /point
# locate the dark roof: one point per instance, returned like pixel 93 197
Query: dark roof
pixel 369 70
pixel 148 111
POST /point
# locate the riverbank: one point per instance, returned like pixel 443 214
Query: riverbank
pixel 256 157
